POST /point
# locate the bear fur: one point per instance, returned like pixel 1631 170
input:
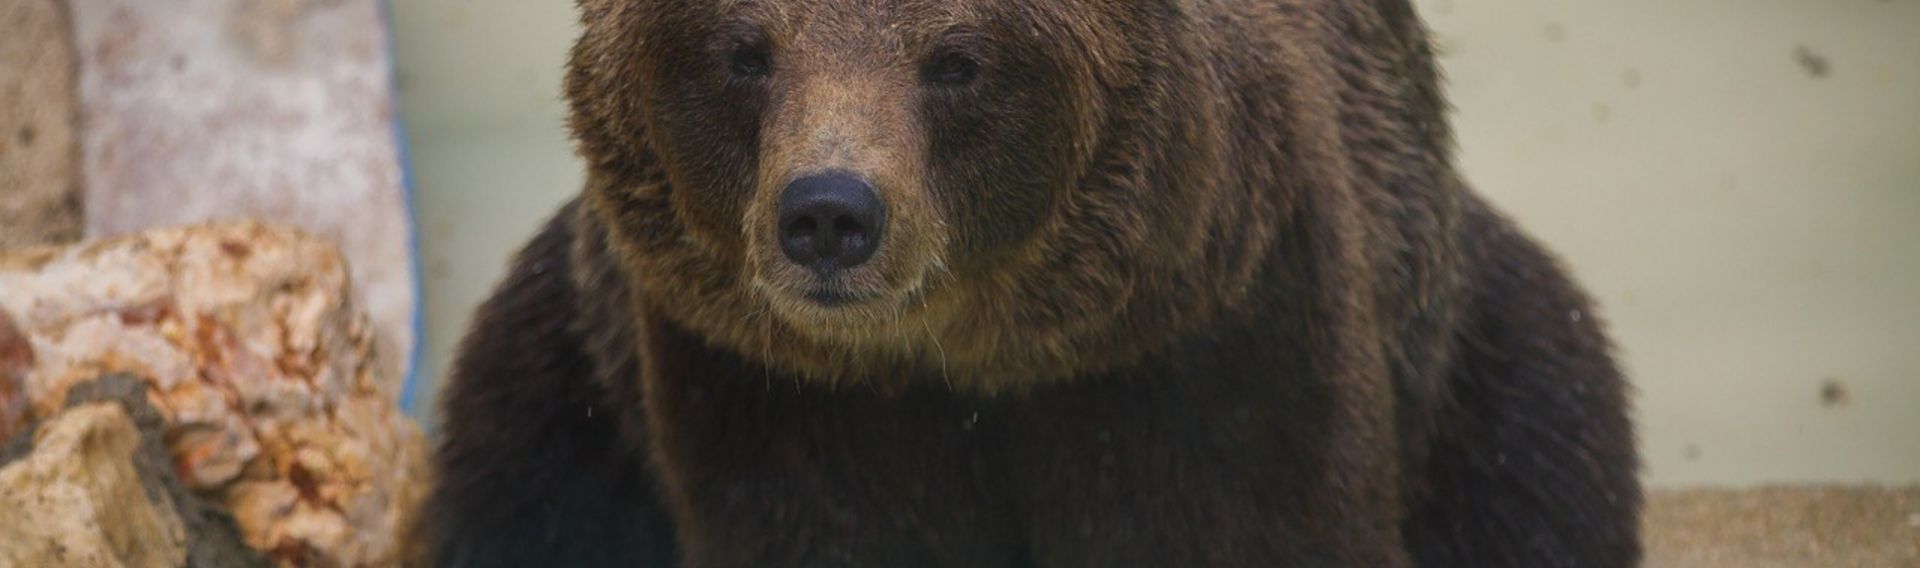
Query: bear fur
pixel 1163 283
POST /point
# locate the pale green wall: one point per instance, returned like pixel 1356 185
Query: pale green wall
pixel 1751 230
pixel 480 95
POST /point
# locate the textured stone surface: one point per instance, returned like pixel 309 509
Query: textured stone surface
pixel 16 358
pixel 77 500
pixel 39 178
pixel 260 364
pixel 273 109
pixel 1784 527
pixel 213 538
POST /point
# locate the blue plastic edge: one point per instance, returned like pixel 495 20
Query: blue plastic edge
pixel 409 386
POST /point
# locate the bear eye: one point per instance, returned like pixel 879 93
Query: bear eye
pixel 751 61
pixel 952 69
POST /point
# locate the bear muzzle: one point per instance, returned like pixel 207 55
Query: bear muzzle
pixel 830 222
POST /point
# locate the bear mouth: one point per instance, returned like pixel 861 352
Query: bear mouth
pixel 833 297
pixel 836 308
pixel 819 298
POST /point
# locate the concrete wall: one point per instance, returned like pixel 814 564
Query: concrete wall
pixel 1737 181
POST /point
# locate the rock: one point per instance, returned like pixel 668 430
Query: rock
pixel 201 110
pixel 265 375
pixel 16 358
pixel 39 173
pixel 213 538
pixel 77 501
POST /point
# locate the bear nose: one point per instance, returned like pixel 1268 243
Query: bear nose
pixel 830 222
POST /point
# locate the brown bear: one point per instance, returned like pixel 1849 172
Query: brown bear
pixel 1027 283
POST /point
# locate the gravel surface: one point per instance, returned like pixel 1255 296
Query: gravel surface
pixel 1806 526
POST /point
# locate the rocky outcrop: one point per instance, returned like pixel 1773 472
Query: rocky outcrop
pixel 200 110
pixel 303 132
pixel 262 369
pixel 16 358
pixel 77 501
pixel 74 500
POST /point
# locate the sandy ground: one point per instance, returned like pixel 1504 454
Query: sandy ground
pixel 1765 527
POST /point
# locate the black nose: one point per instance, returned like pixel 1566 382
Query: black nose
pixel 830 222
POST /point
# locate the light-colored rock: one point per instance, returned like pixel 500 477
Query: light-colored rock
pixel 39 173
pixel 280 110
pixel 77 500
pixel 260 364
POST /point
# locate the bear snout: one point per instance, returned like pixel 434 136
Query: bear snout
pixel 830 222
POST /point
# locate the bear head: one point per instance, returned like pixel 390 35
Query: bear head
pixel 989 193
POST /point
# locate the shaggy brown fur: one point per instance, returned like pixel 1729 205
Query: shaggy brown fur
pixel 1165 283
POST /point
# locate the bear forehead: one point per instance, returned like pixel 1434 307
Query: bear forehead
pixel 1102 35
pixel 835 21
